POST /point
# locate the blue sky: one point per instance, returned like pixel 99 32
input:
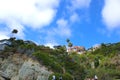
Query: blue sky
pixel 51 22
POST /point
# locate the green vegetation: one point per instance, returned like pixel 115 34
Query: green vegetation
pixel 106 61
pixel 103 62
pixel 65 76
pixel 14 31
pixel 69 43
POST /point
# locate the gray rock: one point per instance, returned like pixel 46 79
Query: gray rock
pixel 1 78
pixel 2 47
pixel 4 43
pixel 21 67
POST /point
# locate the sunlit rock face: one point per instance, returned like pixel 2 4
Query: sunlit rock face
pixel 21 67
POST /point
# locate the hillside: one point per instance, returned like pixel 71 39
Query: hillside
pixel 24 60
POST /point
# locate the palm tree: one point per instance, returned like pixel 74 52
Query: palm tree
pixel 14 31
pixel 67 40
pixel 70 44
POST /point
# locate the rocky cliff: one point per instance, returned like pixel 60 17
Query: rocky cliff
pixel 21 67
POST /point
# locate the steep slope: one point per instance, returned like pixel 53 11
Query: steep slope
pixel 24 60
pixel 22 67
pixel 16 63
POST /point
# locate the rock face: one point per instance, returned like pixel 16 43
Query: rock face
pixel 21 67
pixel 4 43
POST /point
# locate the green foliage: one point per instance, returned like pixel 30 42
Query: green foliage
pixel 67 40
pixel 90 73
pixel 96 61
pixel 74 68
pixel 106 74
pixel 27 46
pixel 49 61
pixel 70 44
pixel 103 62
pixel 15 31
pixel 57 75
pixel 103 73
pixel 65 76
pixel 106 60
pixel 108 49
pixel 59 61
pixel 20 42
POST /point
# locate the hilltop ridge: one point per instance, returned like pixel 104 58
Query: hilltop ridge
pixel 42 62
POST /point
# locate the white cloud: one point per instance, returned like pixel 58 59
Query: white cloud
pixel 96 45
pixel 32 13
pixel 74 6
pixel 111 14
pixel 74 17
pixel 51 45
pixel 78 4
pixel 63 28
pixel 3 35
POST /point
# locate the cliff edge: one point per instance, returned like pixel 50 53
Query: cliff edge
pixel 21 67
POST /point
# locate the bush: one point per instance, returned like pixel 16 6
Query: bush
pixel 49 61
pixel 65 76
pixel 57 75
pixel 103 73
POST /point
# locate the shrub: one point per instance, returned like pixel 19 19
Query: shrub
pixel 49 61
pixel 65 76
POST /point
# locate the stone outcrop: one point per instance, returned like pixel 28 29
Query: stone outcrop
pixel 4 43
pixel 21 67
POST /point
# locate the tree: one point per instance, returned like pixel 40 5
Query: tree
pixel 15 31
pixel 96 61
pixel 67 40
pixel 70 44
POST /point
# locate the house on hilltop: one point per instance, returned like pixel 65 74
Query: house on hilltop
pixel 77 49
